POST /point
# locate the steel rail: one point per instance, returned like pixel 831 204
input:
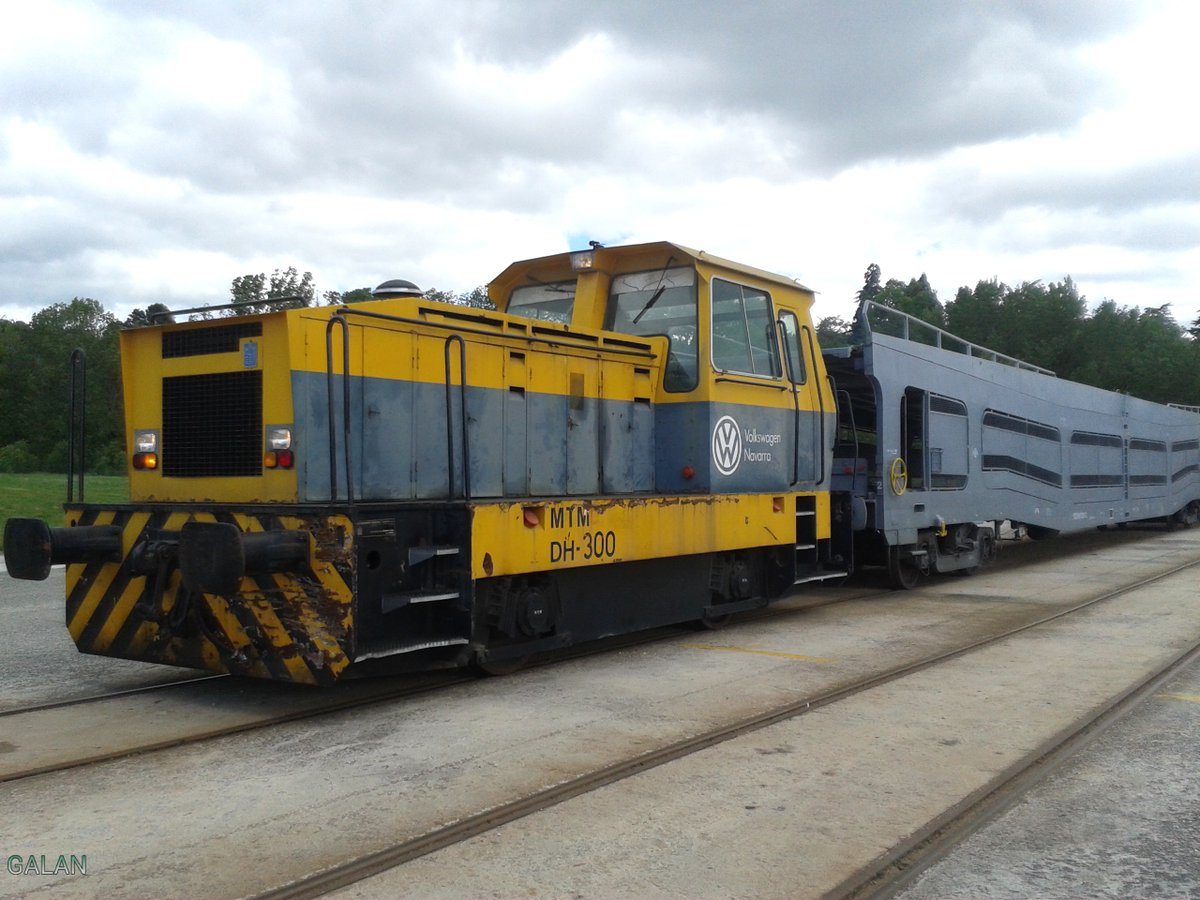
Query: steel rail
pixel 321 709
pixel 112 695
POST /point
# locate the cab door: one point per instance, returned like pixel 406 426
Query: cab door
pixel 802 370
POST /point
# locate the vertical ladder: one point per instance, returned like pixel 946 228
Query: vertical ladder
pixel 808 550
pixel 806 534
pixel 434 589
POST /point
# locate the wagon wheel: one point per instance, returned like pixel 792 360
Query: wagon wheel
pixel 903 573
pixel 1042 533
pixel 987 551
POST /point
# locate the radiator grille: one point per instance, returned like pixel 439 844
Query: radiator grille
pixel 212 425
pixel 213 339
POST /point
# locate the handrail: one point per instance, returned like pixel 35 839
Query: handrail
pixel 791 376
pixel 772 385
pixel 339 320
pixel 76 412
pixel 462 399
pixel 969 349
pixel 850 411
pixel 648 353
pixel 159 315
pixel 814 356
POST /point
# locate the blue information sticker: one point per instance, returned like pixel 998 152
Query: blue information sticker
pixel 250 355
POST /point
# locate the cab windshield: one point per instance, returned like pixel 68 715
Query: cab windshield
pixel 662 302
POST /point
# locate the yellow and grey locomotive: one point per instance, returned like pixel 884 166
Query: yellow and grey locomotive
pixel 636 436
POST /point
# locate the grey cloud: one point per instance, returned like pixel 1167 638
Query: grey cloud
pixel 363 107
pixel 858 80
pixel 1160 231
pixel 845 82
pixel 976 196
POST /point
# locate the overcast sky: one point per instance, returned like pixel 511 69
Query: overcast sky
pixel 153 152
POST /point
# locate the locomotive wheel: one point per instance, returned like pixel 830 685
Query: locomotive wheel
pixel 903 573
pixel 710 622
pixel 498 668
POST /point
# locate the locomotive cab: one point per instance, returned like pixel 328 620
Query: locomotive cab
pixel 736 346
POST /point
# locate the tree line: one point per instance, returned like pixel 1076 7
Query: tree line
pixel 1144 352
pixel 34 371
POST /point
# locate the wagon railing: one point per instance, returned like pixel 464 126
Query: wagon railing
pixel 875 318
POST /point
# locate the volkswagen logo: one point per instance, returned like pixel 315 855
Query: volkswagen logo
pixel 726 445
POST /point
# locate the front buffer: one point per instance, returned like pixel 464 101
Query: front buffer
pixel 240 591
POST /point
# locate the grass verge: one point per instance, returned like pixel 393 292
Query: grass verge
pixel 40 495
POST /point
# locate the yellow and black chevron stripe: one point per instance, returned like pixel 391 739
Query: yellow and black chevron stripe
pixel 293 626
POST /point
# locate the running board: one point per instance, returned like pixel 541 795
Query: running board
pixel 824 576
pixel 409 648
pixel 392 602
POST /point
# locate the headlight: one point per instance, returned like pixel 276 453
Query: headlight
pixel 279 437
pixel 583 260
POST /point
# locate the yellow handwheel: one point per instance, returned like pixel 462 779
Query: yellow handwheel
pixel 898 474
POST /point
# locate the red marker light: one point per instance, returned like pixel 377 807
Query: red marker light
pixel 279 459
pixel 689 473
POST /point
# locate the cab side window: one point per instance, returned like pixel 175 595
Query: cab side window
pixel 549 302
pixel 792 351
pixel 743 330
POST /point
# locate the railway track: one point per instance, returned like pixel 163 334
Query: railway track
pixel 944 834
pixel 384 780
pixel 242 705
pixel 233 706
pixel 941 833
